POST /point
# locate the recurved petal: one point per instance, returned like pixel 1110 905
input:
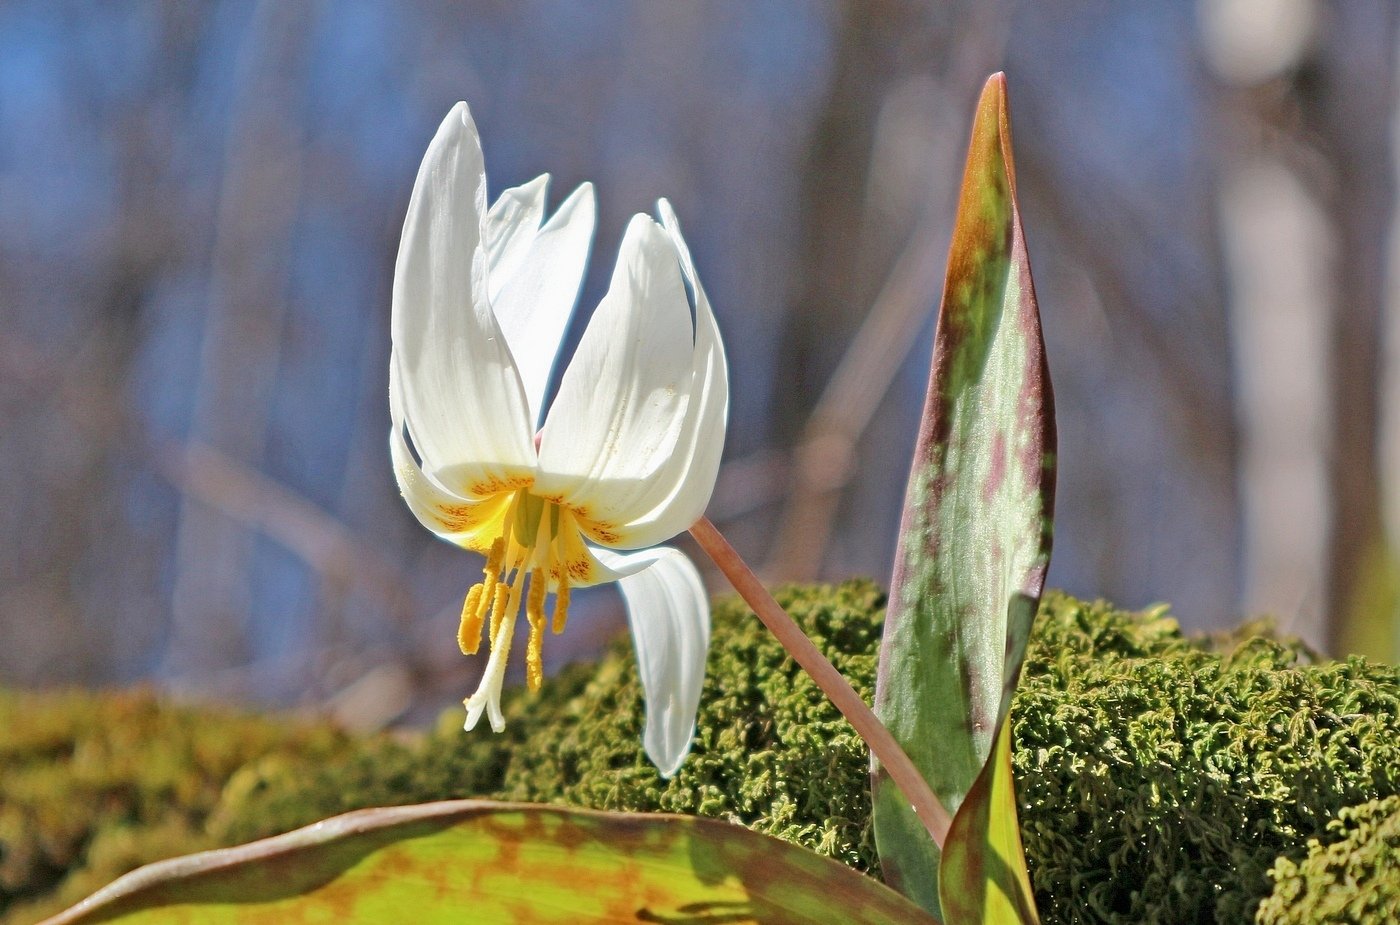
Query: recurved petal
pixel 610 442
pixel 533 293
pixel 461 393
pixel 452 517
pixel 511 225
pixel 669 613
pixel 680 492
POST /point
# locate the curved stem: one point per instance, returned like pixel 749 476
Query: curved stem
pixel 882 744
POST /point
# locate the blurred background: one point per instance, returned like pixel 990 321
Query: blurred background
pixel 200 205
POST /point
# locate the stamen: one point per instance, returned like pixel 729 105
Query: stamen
pixel 469 631
pixel 534 612
pixel 503 602
pixel 493 559
pixel 532 540
pixel 559 569
pixel 491 580
pixel 561 604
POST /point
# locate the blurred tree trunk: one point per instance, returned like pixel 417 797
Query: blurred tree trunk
pixel 76 601
pixel 828 304
pixel 240 354
pixel 904 79
pixel 1347 103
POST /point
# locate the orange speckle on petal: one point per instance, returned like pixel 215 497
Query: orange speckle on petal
pixel 495 484
pixel 599 530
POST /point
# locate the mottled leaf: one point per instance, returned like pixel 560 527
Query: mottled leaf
pixel 975 540
pixel 483 862
pixel 983 878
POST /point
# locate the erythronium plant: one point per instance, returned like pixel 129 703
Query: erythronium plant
pixel 626 457
pixel 627 453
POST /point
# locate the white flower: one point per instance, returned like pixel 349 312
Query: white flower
pixel 627 454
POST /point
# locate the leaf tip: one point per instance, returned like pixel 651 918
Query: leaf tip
pixel 993 93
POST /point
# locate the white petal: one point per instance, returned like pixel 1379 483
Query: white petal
pixel 609 445
pixel 464 404
pixel 670 617
pixel 441 511
pixel 682 491
pixel 533 292
pixel 427 500
pixel 511 225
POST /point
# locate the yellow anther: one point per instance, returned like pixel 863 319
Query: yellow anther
pixel 505 599
pixel 491 580
pixel 469 632
pixel 534 604
pixel 493 560
pixel 561 604
pixel 507 605
pixel 534 612
pixel 534 660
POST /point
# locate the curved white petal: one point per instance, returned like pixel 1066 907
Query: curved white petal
pixel 441 511
pixel 535 281
pixel 669 613
pixel 451 517
pixel 461 393
pixel 510 228
pixel 682 491
pixel 622 431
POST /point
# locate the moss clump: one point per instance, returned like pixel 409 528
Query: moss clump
pixel 1160 776
pixel 1351 875
pixel 1161 785
pixel 92 786
pixel 265 799
pixel 770 751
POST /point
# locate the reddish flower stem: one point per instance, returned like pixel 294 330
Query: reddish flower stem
pixel 882 744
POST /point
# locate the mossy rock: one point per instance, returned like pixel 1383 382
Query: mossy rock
pixel 770 751
pixel 1162 787
pixel 1351 875
pixel 94 785
pixel 1161 777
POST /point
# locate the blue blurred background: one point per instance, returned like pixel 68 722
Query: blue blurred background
pixel 199 210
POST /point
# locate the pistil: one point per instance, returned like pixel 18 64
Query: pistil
pixel 530 541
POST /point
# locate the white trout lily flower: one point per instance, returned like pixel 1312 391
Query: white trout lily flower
pixel 627 453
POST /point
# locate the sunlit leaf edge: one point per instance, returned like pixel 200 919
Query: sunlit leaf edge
pixel 838 893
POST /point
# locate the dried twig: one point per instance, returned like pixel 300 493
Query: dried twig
pixel 250 498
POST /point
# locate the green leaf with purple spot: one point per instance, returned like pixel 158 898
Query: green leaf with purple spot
pixel 975 540
pixel 483 862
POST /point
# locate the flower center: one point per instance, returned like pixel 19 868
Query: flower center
pixel 538 540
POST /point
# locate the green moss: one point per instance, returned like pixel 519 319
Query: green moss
pixel 1161 777
pixel 92 786
pixel 1163 788
pixel 1351 875
pixel 770 751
